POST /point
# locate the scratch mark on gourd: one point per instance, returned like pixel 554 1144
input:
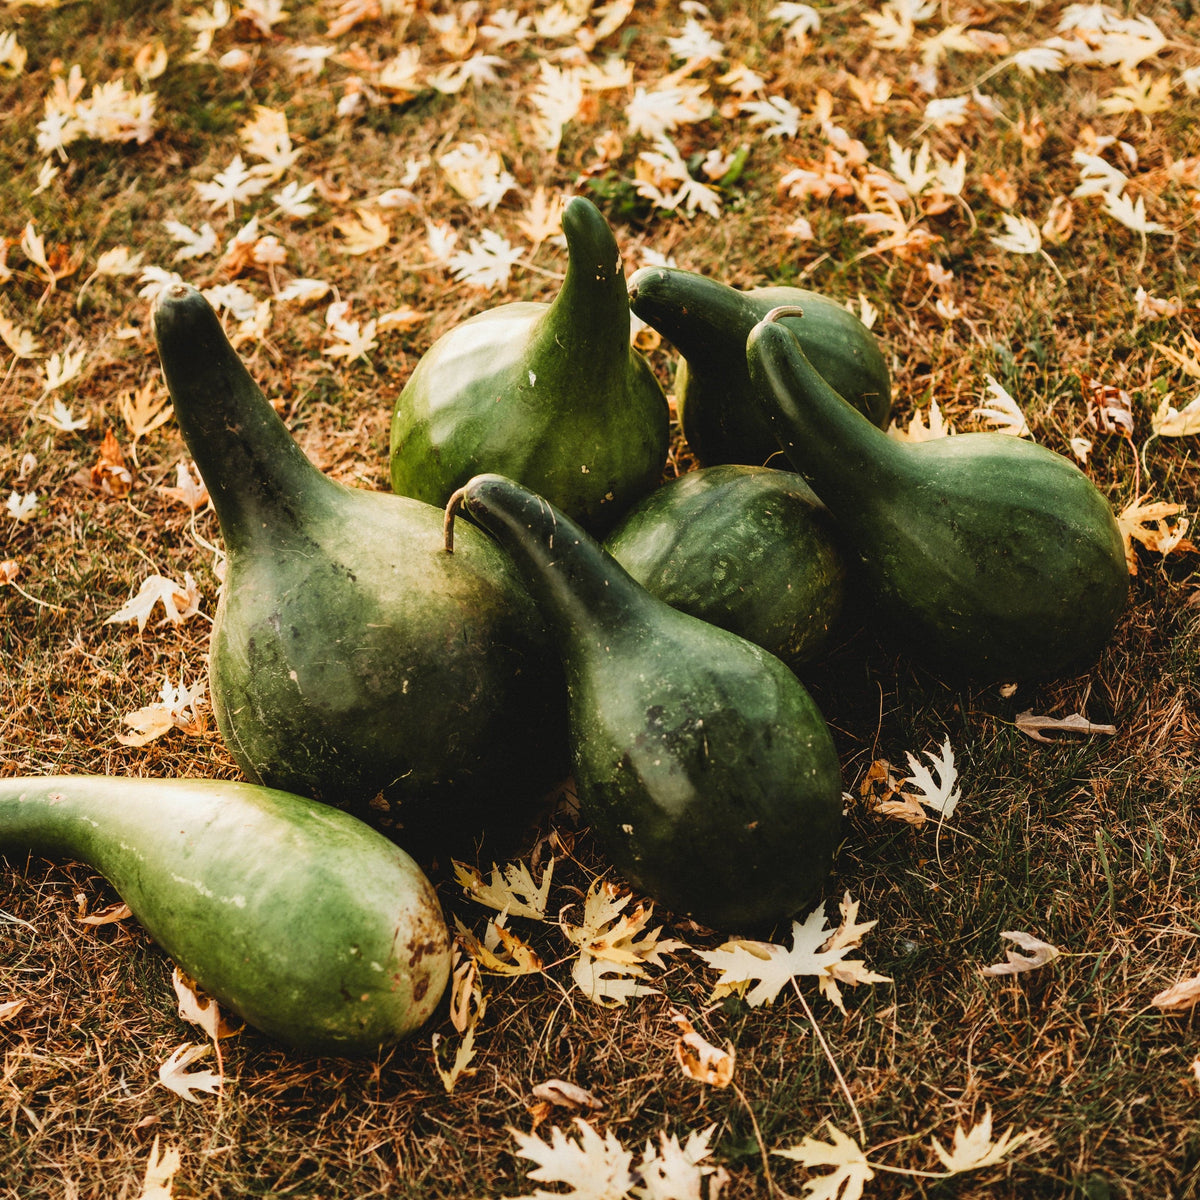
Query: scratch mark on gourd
pixel 207 893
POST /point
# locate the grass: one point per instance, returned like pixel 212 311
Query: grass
pixel 1093 843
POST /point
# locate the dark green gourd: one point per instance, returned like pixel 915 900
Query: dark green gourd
pixel 701 763
pixel 987 555
pixel 747 548
pixel 299 918
pixel 708 322
pixel 550 394
pixel 351 656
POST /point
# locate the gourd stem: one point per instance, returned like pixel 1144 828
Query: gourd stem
pixel 452 506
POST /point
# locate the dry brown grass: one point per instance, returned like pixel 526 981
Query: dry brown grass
pixel 1093 844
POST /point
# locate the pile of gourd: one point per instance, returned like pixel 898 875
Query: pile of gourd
pixel 433 660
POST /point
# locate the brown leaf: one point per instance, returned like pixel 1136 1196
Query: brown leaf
pixel 10 1008
pixel 1179 997
pixel 1148 522
pixel 700 1059
pixel 109 474
pixel 106 916
pixel 562 1094
pixel 1035 727
pixel 1110 408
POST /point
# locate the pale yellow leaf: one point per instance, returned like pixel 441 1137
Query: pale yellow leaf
pixel 1037 954
pixel 20 341
pixel 1179 997
pixel 850 1167
pixel 160 1171
pixel 974 1148
pixel 1148 522
pixel 107 916
pixel 369 232
pixel 700 1059
pixel 174 1073
pixel 512 890
pixel 10 1008
pixel 1036 727
pixel 1172 422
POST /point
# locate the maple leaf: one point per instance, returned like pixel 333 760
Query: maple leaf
pixel 672 1171
pixel 919 431
pixel 369 232
pixel 20 341
pixel 195 245
pixel 22 508
pixel 1147 522
pixel 160 1171
pixel 974 1148
pixel 13 55
pixel 557 98
pixel 1038 954
pixel 236 184
pixel 850 1167
pixel 293 200
pixel 60 369
pixel 179 709
pixel 353 340
pixel 1179 997
pixel 1145 95
pixel 1172 422
pixel 597 1168
pixel 179 603
pixel 942 796
pixel 1036 727
pixel 62 419
pixel 487 262
pixel 779 116
pixel 303 291
pixel 1131 214
pixel 144 411
pixel 1004 413
pixel 1021 236
pixel 460 1066
pixel 656 113
pixel 742 962
pixel 542 218
pixel 174 1073
pixel 800 19
pixel 266 136
pixel 500 952
pixel 477 174
pixel 615 946
pixel 510 891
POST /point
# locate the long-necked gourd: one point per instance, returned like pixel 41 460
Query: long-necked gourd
pixel 351 657
pixel 708 321
pixel 988 555
pixel 302 920
pixel 552 394
pixel 748 548
pixel 701 763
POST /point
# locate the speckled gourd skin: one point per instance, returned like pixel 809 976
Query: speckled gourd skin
pixel 352 659
pixel 302 920
pixel 708 321
pixel 747 548
pixel 986 555
pixel 551 394
pixel 701 763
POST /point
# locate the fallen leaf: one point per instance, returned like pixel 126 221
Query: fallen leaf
pixel 974 1148
pixel 700 1059
pixel 178 602
pixel 10 1008
pixel 1146 521
pixel 198 1007
pixel 1038 954
pixel 501 952
pixel 174 1073
pixel 850 1167
pixel 563 1094
pixel 160 1171
pixel 1171 422
pixel 369 232
pixel 109 474
pixel 106 916
pixel 510 891
pixel 1179 997
pixel 1036 727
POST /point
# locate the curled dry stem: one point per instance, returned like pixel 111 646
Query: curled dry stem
pixel 784 310
pixel 452 507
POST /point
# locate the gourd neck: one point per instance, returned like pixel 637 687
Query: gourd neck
pixel 828 441
pixel 705 320
pixel 581 590
pixel 586 327
pixel 258 478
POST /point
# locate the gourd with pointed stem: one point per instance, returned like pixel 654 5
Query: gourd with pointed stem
pixel 748 548
pixel 708 321
pixel 307 923
pixel 988 555
pixel 701 763
pixel 351 658
pixel 551 394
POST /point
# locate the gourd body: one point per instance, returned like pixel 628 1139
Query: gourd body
pixel 747 548
pixel 352 659
pixel 550 394
pixel 301 919
pixel 701 763
pixel 708 322
pixel 987 555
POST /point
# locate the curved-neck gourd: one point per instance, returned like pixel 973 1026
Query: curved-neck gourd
pixel 550 394
pixel 989 556
pixel 299 918
pixel 708 322
pixel 351 657
pixel 701 763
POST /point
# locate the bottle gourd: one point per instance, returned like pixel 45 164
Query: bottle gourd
pixel 701 764
pixel 351 658
pixel 708 322
pixel 302 920
pixel 748 548
pixel 551 394
pixel 988 555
